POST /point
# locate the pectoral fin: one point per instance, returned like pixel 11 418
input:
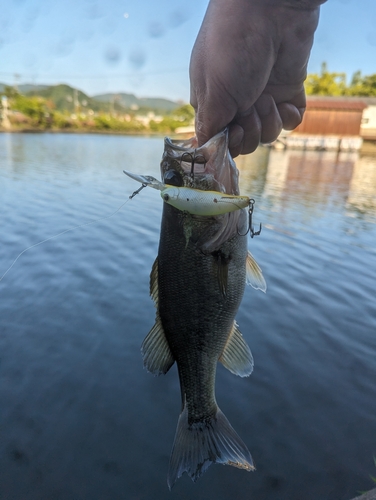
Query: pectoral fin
pixel 254 274
pixel 236 355
pixel 221 261
pixel 155 350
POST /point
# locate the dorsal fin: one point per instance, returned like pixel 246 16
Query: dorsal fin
pixel 236 355
pixel 254 274
pixel 155 350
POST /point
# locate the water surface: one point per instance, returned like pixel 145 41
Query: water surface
pixel 80 417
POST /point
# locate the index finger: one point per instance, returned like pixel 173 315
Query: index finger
pixel 211 117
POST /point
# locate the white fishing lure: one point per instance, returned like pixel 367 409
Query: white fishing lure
pixel 198 202
pixel 194 201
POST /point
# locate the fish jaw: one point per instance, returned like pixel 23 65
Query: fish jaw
pixel 209 167
pixel 206 168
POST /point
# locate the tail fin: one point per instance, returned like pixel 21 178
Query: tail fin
pixel 198 445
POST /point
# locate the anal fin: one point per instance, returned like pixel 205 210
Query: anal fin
pixel 254 274
pixel 236 355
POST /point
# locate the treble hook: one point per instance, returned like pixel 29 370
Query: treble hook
pixel 137 191
pixel 192 159
pixel 250 225
pixel 189 158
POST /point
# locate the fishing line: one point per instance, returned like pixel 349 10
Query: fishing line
pixel 71 229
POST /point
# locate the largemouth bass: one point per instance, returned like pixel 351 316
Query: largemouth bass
pixel 197 284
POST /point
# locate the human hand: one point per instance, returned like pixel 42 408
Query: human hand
pixel 247 69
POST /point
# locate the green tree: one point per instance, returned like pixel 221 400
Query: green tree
pixel 334 84
pixel 10 92
pixel 33 107
pixel 326 83
pixel 110 123
pixel 185 113
pixel 363 86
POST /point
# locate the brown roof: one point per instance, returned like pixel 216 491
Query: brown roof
pixel 345 103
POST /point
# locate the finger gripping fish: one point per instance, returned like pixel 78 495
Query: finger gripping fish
pixel 197 284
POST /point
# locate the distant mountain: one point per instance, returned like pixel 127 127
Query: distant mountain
pixel 66 98
pixel 24 87
pixel 29 87
pixel 130 101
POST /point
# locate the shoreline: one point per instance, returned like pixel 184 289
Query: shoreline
pixel 81 131
pixel 368 146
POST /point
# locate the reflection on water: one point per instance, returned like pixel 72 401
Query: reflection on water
pixel 80 417
pixel 362 193
pixel 313 177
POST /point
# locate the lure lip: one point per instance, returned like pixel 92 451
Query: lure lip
pixel 147 180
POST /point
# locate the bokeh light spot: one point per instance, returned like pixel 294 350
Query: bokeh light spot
pixel 137 57
pixel 156 29
pixel 112 55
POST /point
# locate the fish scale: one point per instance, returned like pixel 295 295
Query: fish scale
pixel 198 324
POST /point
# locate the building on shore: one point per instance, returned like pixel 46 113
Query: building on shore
pixel 329 124
pixel 368 125
pixel 333 124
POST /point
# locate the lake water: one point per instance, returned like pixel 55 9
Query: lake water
pixel 82 419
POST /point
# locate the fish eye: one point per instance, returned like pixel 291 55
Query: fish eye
pixel 173 178
pixel 166 197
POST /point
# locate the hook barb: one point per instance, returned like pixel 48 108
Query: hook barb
pixel 193 158
pixel 251 229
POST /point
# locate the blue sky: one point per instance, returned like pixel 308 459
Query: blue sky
pixel 143 46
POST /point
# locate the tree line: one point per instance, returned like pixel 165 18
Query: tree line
pixel 38 113
pixel 335 84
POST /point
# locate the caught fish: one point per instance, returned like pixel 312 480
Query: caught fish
pixel 197 283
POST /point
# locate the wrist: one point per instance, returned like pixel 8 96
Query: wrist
pixel 294 4
pixel 302 4
pixel 245 4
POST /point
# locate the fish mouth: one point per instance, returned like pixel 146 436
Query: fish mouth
pixel 208 167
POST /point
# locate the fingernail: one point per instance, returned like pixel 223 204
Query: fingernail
pixel 236 135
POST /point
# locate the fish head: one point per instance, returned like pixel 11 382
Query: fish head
pixel 208 167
